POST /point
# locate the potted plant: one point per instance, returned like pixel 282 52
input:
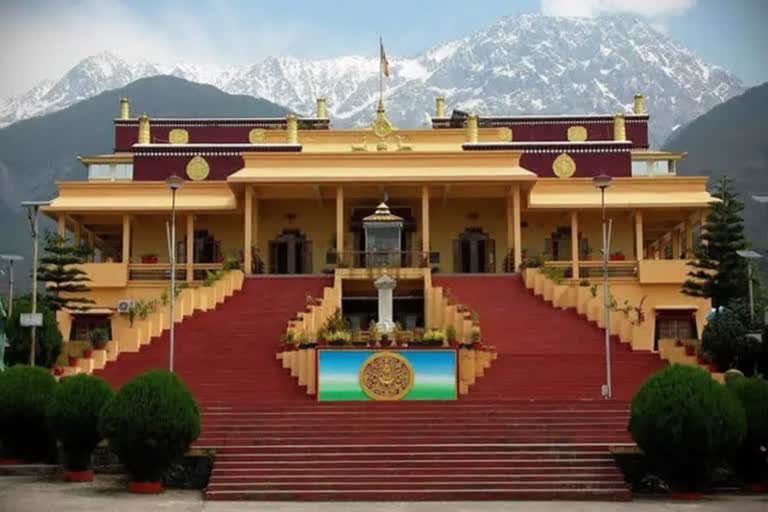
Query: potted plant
pixel 617 256
pixel 150 422
pixel 434 337
pixel 87 352
pixel 475 336
pixel 690 347
pixel 339 338
pixel 99 338
pixel 357 339
pixel 374 335
pixel 149 258
pixel 74 416
pixel 450 334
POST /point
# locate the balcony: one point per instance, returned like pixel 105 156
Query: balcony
pixel 387 259
pixel 594 269
pixel 162 271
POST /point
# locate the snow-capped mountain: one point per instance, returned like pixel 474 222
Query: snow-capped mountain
pixel 526 64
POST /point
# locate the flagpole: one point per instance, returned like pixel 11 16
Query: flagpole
pixel 381 73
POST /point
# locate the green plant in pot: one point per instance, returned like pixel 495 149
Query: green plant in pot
pixel 339 338
pixel 25 394
pixel 434 337
pixel 475 336
pixel 99 338
pixel 149 423
pixel 74 417
pixel 450 334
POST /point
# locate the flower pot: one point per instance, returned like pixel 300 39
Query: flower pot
pixel 87 353
pixel 58 371
pixel 477 344
pixel 690 350
pixel 100 345
pixel 78 476
pixel 150 258
pixel 72 361
pixel 154 487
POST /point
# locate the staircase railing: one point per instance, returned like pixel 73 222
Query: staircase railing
pixel 594 269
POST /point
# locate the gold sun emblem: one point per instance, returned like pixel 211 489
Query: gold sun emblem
pixel 197 168
pixel 564 166
pixel 386 376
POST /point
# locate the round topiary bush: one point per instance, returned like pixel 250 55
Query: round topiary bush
pixel 149 422
pixel 25 393
pixel 725 337
pixel 752 393
pixel 683 420
pixel 74 416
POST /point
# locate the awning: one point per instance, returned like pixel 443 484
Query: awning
pixel 141 197
pixel 362 174
pixel 637 193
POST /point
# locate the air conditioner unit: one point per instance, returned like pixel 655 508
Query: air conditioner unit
pixel 124 305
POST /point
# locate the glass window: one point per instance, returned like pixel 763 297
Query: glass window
pixel 123 171
pixel 99 172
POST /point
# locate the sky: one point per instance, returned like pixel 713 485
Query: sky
pixel 42 39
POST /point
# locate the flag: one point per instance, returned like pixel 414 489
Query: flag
pixel 383 60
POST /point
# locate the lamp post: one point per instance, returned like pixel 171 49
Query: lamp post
pixel 174 183
pixel 602 182
pixel 748 256
pixel 33 212
pixel 10 258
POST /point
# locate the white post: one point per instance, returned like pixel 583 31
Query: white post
pixel 385 284
pixel 606 300
pixel 10 290
pixel 32 334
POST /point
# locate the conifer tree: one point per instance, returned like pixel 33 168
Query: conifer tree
pixel 719 273
pixel 59 270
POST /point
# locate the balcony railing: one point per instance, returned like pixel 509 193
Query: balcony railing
pixel 387 259
pixel 594 269
pixel 162 271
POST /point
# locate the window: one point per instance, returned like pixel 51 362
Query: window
pixel 652 167
pixel 110 172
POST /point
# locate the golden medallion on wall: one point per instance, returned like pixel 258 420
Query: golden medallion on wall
pixel 197 168
pixel 564 166
pixel 257 136
pixel 178 136
pixel 577 133
pixel 386 376
pixel 505 134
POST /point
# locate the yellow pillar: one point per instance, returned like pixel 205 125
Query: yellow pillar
pixel 62 225
pixel 339 222
pixel 248 230
pixel 190 247
pixel 77 234
pixel 92 245
pixel 425 218
pixel 688 239
pixel 516 225
pixel 126 239
pixel 639 236
pixel 675 240
pixel 575 244
pixel 255 222
pixel 510 231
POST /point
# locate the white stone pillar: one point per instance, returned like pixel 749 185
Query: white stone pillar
pixel 385 285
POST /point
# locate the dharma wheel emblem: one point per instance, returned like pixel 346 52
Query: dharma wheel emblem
pixel 197 168
pixel 257 136
pixel 386 376
pixel 564 166
pixel 178 136
pixel 577 133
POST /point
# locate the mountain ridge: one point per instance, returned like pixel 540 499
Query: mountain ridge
pixel 528 64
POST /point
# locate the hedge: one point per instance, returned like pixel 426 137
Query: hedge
pixel 25 393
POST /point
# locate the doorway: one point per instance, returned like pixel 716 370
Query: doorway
pixel 474 252
pixel 290 253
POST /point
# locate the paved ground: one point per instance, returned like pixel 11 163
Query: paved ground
pixel 107 494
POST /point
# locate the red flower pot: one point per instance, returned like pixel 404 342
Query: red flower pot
pixel 154 487
pixel 72 361
pixel 690 350
pixel 78 476
pixel 87 353
pixel 149 259
pixel 58 371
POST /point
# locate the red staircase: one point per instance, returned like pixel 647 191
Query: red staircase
pixel 534 427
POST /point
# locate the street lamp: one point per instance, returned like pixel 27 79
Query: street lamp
pixel 750 255
pixel 602 182
pixel 173 183
pixel 33 212
pixel 10 258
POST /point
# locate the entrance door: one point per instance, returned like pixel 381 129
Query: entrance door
pixel 474 252
pixel 290 253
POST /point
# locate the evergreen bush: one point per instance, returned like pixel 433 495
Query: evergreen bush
pixel 74 417
pixel 47 337
pixel 25 393
pixel 149 422
pixel 683 420
pixel 725 338
pixel 753 394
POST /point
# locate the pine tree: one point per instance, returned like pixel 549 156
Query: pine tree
pixel 59 271
pixel 719 273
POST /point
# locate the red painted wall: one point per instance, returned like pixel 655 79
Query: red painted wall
pixel 155 167
pixel 587 164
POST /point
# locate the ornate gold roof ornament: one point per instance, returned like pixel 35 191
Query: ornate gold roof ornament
pixel 577 133
pixel 362 146
pixel 619 128
pixel 386 376
pixel 505 134
pixel 292 127
pixel 144 129
pixel 322 109
pixel 403 144
pixel 440 106
pixel 381 126
pixel 178 136
pixel 198 168
pixel 564 166
pixel 383 214
pixel 471 130
pixel 125 108
pixel 639 106
pixel 257 136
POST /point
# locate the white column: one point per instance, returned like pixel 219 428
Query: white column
pixel 385 285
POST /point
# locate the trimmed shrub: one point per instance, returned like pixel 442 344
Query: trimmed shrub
pixel 47 337
pixel 150 422
pixel 25 393
pixel 725 338
pixel 74 417
pixel 753 394
pixel 683 420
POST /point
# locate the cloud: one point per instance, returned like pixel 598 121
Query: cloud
pixel 591 8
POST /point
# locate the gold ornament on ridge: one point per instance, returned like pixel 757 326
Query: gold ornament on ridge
pixel 386 376
pixel 257 136
pixel 197 168
pixel 178 136
pixel 564 166
pixel 577 133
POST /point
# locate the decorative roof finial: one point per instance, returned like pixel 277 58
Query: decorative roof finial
pixel 144 129
pixel 125 108
pixel 639 106
pixel 619 128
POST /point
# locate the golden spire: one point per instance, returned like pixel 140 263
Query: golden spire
pixel 322 110
pixel 471 128
pixel 619 128
pixel 125 108
pixel 639 107
pixel 440 106
pixel 292 127
pixel 144 129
